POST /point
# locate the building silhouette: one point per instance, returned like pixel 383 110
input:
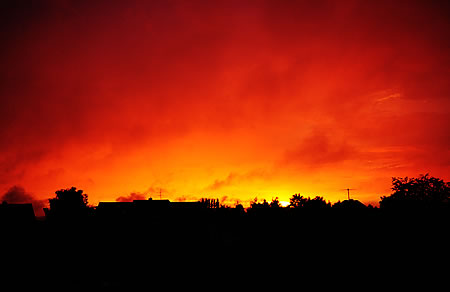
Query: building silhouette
pixel 16 213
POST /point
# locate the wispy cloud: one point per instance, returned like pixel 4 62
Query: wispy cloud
pixel 236 178
pixel 131 197
pixel 317 150
pixel 151 192
pixel 388 97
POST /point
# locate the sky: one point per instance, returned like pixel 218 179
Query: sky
pixel 223 99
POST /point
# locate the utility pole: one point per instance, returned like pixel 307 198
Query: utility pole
pixel 348 192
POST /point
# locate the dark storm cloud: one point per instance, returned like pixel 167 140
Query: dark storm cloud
pixel 17 194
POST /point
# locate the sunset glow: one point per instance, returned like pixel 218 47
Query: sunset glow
pixel 223 99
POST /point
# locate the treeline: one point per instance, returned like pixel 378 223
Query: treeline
pixel 422 193
pixel 121 244
pixel 409 194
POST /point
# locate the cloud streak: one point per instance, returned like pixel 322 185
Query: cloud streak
pixel 131 197
pixel 319 150
pixel 234 179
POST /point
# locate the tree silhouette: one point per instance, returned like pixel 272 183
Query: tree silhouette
pixel 424 191
pixel 317 203
pixel 210 203
pixel 69 203
pixel 255 205
pixel 275 203
pixel 297 201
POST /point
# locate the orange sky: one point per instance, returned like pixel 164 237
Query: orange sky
pixel 227 99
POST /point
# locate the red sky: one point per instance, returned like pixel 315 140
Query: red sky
pixel 227 99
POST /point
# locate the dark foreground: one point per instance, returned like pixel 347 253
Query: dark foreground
pixel 229 248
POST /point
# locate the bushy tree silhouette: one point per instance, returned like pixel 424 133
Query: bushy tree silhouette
pixel 275 203
pixel 317 203
pixel 254 204
pixel 422 192
pixel 69 203
pixel 298 201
